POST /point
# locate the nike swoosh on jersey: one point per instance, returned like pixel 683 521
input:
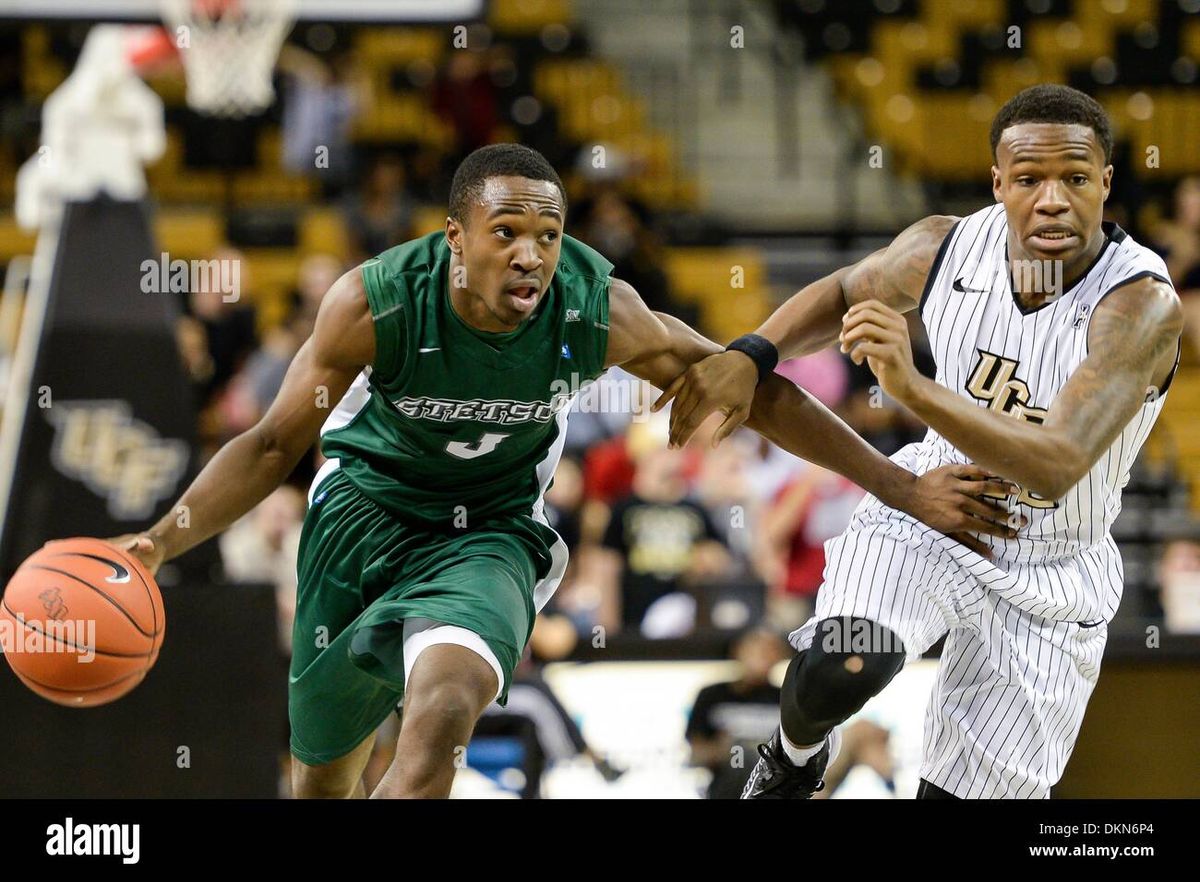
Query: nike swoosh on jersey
pixel 431 349
pixel 958 286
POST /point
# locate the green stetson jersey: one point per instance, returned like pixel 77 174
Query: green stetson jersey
pixel 452 425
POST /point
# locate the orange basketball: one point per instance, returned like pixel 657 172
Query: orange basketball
pixel 81 622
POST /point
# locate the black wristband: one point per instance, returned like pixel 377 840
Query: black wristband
pixel 761 351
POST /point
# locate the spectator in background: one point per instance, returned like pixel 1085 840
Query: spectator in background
pixel 814 506
pixel 725 489
pixel 604 409
pixel 252 389
pixel 225 322
pixel 263 546
pixel 465 97
pixel 578 599
pixel 657 545
pixel 799 497
pixel 215 335
pixel 192 340
pixel 320 103
pixel 1178 574
pixel 884 424
pixel 573 602
pixel 548 733
pixel 610 223
pixel 1127 194
pixel 255 386
pixel 728 720
pixel 725 486
pixel 564 502
pixel 609 465
pixel 316 276
pixel 431 176
pixel 380 214
pixel 1178 241
pixel 864 742
pixel 825 375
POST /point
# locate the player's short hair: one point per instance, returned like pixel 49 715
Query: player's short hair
pixel 1053 103
pixel 498 160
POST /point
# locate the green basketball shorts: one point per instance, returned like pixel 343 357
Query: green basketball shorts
pixel 362 571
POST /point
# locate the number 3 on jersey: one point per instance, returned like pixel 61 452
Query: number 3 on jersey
pixel 485 445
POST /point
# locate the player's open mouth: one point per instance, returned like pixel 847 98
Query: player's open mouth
pixel 1053 240
pixel 524 296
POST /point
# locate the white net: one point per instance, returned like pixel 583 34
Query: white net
pixel 229 48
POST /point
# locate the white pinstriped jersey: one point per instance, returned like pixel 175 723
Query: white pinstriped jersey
pixel 1016 361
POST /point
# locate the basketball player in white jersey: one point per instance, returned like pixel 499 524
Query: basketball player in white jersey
pixel 1055 337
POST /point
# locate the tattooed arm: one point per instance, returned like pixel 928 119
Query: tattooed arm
pixel 808 322
pixel 1132 343
pixel 812 319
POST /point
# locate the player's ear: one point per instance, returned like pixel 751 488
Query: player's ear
pixel 454 233
pixel 1106 181
pixel 996 184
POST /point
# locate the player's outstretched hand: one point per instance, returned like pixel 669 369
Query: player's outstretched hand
pixel 725 381
pixel 143 547
pixel 953 500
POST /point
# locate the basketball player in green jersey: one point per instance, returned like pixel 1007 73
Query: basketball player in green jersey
pixel 425 555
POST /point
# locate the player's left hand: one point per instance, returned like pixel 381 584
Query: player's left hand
pixel 724 381
pixel 953 500
pixel 877 334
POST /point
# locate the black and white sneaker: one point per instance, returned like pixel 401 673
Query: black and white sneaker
pixel 775 776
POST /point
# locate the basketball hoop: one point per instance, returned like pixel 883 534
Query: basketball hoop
pixel 229 48
pixel 149 48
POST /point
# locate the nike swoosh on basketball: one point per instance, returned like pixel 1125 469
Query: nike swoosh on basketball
pixel 120 574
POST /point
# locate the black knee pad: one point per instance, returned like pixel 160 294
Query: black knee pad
pixel 850 660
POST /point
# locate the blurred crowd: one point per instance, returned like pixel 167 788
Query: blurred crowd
pixel 1177 238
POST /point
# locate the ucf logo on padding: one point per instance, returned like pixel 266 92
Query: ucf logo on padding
pixel 994 381
pixel 117 457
